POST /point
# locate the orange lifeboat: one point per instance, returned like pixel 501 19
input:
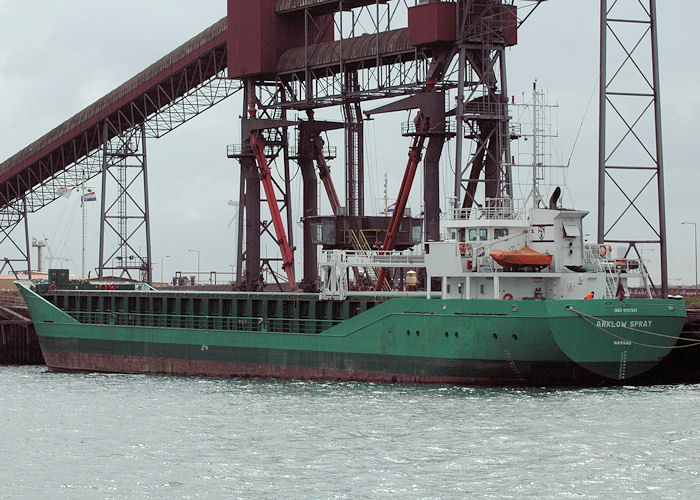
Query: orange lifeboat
pixel 525 257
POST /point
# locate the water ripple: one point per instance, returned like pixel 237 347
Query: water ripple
pixel 122 436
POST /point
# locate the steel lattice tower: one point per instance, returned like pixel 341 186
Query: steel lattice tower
pixel 126 216
pixel 630 156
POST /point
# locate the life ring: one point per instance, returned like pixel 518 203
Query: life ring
pixel 463 249
pixel 508 296
pixel 102 286
pixel 52 288
pixel 602 250
pixel 112 286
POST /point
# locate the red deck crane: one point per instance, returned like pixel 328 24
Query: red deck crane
pixel 324 172
pixel 414 156
pixel 257 144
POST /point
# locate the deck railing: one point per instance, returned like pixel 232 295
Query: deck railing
pixel 385 258
pixel 494 208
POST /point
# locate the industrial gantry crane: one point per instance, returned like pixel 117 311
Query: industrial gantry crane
pixel 301 55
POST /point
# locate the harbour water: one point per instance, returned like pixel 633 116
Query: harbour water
pixel 123 436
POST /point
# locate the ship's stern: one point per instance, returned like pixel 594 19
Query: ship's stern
pixel 617 339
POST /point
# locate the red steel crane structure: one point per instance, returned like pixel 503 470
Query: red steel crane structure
pixel 415 153
pixel 309 54
pixel 257 144
pixel 295 55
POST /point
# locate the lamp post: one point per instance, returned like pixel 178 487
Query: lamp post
pixel 695 251
pixel 161 266
pixel 197 263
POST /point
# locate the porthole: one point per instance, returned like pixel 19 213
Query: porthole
pixel 408 332
pixel 447 334
pixel 417 333
pixel 495 336
pixel 456 335
pixel 515 337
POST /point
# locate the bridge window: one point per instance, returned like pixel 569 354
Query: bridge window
pixel 483 234
pixel 571 230
pixel 473 234
pixel 500 233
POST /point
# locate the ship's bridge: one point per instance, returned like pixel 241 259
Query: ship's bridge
pixel 496 219
pixel 483 230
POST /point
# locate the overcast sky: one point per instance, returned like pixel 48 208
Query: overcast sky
pixel 58 57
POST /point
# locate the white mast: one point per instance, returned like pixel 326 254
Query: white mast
pixel 539 132
pixel 535 187
pixel 386 194
pixel 82 205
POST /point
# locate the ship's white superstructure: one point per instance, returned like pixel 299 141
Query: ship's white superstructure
pixel 468 263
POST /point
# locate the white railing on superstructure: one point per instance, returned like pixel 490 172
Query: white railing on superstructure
pixel 495 208
pixel 615 269
pixel 335 264
pixel 373 258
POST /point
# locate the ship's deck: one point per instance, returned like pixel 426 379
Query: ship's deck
pixel 236 311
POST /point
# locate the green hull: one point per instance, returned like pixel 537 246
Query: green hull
pixel 401 339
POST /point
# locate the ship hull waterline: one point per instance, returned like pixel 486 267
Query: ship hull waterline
pixel 405 340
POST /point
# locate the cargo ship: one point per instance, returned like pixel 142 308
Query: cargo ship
pixel 500 301
pixel 489 292
pixel 508 294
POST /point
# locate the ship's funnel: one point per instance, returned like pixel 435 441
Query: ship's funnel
pixel 554 198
